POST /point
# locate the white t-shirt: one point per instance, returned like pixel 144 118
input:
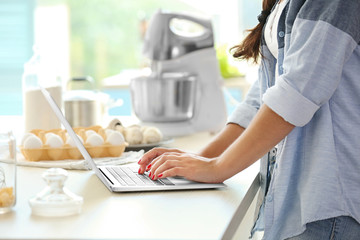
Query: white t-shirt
pixel 271 28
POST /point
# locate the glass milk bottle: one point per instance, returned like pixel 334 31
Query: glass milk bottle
pixel 36 110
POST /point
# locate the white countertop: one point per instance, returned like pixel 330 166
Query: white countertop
pixel 195 214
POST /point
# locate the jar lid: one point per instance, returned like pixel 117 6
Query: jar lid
pixel 55 200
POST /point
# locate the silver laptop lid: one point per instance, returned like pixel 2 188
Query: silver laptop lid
pixel 90 164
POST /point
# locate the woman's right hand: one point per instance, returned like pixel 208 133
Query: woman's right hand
pixel 148 157
pixel 163 163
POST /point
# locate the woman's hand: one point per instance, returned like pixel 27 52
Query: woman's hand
pixel 164 163
pixel 153 154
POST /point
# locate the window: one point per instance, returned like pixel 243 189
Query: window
pixel 16 40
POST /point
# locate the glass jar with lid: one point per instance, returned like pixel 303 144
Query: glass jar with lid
pixel 7 171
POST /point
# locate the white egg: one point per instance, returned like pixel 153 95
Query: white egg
pixel 49 134
pixel 152 135
pixel 115 138
pixel 71 141
pixel 108 132
pixel 54 141
pixel 32 142
pixel 95 140
pixel 26 135
pixel 90 132
pixel 133 135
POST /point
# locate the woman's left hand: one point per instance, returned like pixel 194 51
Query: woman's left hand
pixel 190 166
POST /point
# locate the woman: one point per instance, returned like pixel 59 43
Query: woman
pixel 307 103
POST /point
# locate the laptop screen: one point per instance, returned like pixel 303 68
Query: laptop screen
pixel 89 161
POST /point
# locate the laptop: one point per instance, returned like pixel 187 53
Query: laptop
pixel 125 178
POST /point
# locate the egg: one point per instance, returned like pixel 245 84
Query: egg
pixel 71 141
pixel 49 134
pixel 133 135
pixel 90 132
pixel 54 141
pixel 26 135
pixel 115 138
pixel 95 140
pixel 151 135
pixel 32 142
pixel 108 131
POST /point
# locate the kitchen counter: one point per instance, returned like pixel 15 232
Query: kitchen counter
pixel 194 214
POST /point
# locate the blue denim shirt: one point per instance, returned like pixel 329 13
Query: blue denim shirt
pixel 317 170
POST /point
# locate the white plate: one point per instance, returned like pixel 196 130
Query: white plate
pixel 148 146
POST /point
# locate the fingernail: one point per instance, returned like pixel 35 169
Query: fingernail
pixel 139 161
pixel 149 174
pixel 153 177
pixel 160 175
pixel 139 171
pixel 148 167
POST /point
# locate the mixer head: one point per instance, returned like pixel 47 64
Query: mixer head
pixel 172 35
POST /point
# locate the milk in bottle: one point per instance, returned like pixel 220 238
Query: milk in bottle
pixel 36 110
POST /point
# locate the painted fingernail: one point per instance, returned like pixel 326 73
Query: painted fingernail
pixel 148 167
pixel 160 175
pixel 149 174
pixel 139 171
pixel 153 177
pixel 139 161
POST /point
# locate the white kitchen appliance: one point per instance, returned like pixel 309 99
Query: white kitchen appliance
pixel 183 94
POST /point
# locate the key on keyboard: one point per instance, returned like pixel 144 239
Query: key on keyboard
pixel 127 176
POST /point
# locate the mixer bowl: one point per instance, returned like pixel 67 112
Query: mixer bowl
pixel 166 98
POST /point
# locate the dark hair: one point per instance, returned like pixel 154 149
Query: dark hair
pixel 249 48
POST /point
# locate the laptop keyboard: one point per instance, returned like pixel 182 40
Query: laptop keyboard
pixel 128 176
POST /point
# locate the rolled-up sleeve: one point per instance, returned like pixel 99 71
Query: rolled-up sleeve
pixel 281 93
pixel 246 110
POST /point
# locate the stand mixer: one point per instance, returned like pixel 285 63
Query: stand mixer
pixel 183 94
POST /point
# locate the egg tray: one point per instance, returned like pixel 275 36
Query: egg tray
pixel 69 152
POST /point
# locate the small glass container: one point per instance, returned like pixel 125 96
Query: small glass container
pixel 7 171
pixel 55 200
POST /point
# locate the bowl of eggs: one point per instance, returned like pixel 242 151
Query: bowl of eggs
pixel 139 137
pixel 56 144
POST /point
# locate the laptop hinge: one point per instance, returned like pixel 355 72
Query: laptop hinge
pixel 106 176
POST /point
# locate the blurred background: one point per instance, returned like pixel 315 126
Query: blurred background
pixel 103 39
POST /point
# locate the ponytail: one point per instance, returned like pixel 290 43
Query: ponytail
pixel 249 48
